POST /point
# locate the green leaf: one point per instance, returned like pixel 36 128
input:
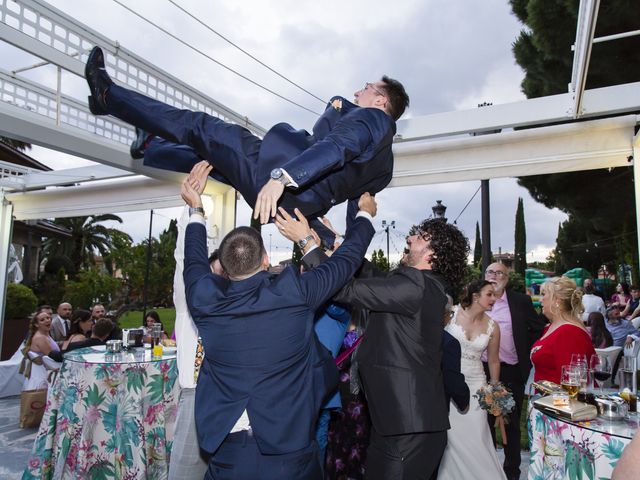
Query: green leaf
pixel 155 389
pixel 94 397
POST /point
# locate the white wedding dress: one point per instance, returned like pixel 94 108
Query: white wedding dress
pixel 470 453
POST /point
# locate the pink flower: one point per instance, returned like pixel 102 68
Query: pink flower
pixel 93 414
pixel 34 462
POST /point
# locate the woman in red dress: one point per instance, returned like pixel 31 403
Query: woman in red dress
pixel 565 335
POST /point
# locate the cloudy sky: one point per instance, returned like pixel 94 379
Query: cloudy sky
pixel 450 55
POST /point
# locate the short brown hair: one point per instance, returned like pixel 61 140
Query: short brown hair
pixel 241 251
pixel 397 95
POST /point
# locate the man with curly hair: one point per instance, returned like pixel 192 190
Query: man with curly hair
pixel 399 358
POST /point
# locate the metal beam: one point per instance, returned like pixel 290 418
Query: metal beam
pixel 559 148
pixel 585 30
pixel 125 195
pixel 598 102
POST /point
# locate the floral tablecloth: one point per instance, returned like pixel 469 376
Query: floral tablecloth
pixel 108 420
pixel 576 450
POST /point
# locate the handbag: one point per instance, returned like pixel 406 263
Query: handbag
pixel 32 405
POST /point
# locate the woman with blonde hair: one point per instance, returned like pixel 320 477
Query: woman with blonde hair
pixel 565 335
pixel 39 341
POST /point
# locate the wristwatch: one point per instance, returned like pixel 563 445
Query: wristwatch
pixel 303 243
pixel 278 174
pixel 198 210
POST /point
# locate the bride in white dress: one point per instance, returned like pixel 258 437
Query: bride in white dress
pixel 470 453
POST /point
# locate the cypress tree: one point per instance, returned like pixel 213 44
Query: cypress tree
pixel 520 249
pixel 477 250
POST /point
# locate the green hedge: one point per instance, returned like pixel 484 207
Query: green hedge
pixel 20 301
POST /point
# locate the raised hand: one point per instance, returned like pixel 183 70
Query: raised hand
pixel 291 228
pixel 267 201
pixel 367 203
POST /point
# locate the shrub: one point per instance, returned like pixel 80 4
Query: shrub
pixel 20 301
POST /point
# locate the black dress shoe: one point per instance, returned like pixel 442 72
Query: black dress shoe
pixel 139 145
pixel 98 80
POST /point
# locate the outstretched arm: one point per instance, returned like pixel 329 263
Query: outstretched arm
pixel 350 137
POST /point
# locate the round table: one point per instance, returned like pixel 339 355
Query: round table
pixel 108 416
pixel 565 449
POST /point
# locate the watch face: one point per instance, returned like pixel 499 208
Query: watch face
pixel 276 173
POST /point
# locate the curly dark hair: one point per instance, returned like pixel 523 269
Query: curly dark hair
pixel 450 250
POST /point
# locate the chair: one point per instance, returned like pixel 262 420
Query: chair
pixel 612 354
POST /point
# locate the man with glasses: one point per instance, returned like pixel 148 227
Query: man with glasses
pixel 348 154
pixel 520 327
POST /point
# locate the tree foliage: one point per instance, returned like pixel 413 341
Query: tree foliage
pixel 130 262
pixel 88 236
pixel 379 259
pixel 600 204
pixel 477 249
pixel 89 287
pixel 520 249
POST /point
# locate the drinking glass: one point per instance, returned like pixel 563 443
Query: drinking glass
pixel 601 369
pixel 629 382
pixel 579 360
pixel 570 379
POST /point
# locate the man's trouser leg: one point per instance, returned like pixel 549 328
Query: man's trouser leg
pixel 404 457
pixel 231 149
pixel 511 377
pixel 238 458
pixel 187 460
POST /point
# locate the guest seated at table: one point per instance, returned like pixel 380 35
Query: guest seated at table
pixel 591 302
pixel 101 331
pixel 621 297
pixel 150 318
pixel 618 327
pixel 80 329
pixel 600 336
pixel 632 309
pixel 565 335
pixel 39 341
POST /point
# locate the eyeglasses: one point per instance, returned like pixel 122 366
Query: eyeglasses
pixel 497 273
pixel 373 87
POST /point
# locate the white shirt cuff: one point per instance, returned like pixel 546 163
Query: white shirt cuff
pixel 290 182
pixel 196 218
pixel 364 214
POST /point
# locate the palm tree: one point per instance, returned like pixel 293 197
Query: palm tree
pixel 87 237
pixel 17 144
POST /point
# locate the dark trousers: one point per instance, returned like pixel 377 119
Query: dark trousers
pixel 239 458
pixel 511 377
pixel 231 149
pixel 404 457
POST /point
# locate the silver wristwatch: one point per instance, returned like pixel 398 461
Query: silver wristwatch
pixel 278 174
pixel 303 243
pixel 198 210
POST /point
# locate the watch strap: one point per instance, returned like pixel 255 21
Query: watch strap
pixel 196 210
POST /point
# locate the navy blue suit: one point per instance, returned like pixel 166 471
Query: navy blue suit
pixel 348 154
pixel 261 353
pixel 455 388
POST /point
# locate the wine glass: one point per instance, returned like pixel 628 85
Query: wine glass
pixel 570 379
pixel 601 369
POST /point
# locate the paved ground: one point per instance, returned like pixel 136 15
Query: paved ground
pixel 16 442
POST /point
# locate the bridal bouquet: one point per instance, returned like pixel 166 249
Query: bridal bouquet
pixel 498 401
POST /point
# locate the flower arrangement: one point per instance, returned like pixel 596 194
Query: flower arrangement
pixel 496 399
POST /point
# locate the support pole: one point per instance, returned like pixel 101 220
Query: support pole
pixel 486 225
pixel 146 273
pixel 6 226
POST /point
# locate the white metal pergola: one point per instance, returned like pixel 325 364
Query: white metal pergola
pixel 429 149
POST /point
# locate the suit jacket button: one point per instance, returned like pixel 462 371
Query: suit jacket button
pixel 333 201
